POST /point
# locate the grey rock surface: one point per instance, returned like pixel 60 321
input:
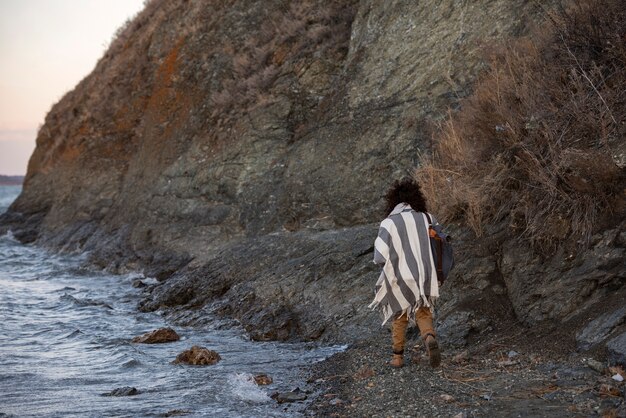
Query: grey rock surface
pixel 600 328
pixel 455 329
pixel 617 350
pixel 306 285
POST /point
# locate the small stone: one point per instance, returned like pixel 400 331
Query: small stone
pixel 513 354
pixel 447 398
pixel 158 336
pixel 263 379
pixel 596 365
pixel 138 283
pixel 335 401
pixel 123 391
pixel 364 373
pixel 198 356
pixel 617 377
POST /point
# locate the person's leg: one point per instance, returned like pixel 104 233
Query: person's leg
pixel 398 339
pixel 424 320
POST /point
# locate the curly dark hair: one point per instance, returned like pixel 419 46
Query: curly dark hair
pixel 406 190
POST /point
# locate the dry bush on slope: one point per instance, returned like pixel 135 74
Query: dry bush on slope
pixel 536 142
pixel 287 35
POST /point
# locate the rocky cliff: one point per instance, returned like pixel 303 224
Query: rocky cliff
pixel 238 151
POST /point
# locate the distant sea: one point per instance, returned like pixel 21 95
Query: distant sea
pixel 65 332
pixel 11 180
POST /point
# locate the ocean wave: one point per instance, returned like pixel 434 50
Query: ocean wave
pixel 243 387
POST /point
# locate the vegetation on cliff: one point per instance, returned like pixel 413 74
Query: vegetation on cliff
pixel 540 142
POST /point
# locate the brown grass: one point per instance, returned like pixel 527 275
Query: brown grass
pixel 287 36
pixel 535 142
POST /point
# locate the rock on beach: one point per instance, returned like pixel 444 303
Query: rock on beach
pixel 158 336
pixel 263 379
pixel 123 391
pixel 198 356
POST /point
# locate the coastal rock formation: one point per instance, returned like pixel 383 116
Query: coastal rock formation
pixel 198 356
pixel 123 391
pixel 158 336
pixel 238 152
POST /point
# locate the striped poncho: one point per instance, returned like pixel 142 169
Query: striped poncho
pixel 408 280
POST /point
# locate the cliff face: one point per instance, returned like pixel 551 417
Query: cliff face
pixel 217 121
pixel 240 150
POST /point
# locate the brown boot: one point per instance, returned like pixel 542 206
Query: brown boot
pixel 397 360
pixel 433 350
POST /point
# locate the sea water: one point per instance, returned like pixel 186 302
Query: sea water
pixel 65 332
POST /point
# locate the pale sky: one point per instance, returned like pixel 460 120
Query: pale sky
pixel 47 47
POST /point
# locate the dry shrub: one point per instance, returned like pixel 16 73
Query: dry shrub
pixel 288 35
pixel 535 142
pixel 125 32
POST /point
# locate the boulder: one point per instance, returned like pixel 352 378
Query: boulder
pixel 263 379
pixel 123 391
pixel 158 336
pixel 198 356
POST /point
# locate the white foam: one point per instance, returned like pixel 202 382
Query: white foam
pixel 244 388
pixel 150 280
pixel 9 236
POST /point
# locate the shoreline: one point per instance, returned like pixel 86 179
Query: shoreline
pixel 272 298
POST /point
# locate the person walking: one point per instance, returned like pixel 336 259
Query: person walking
pixel 407 288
